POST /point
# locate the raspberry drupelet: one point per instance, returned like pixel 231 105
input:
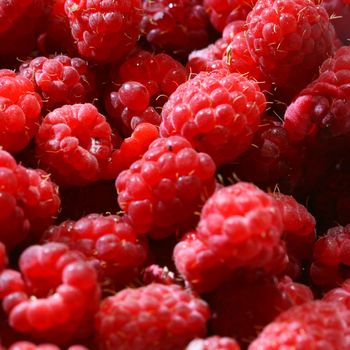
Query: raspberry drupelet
pixel 24 345
pixel 322 109
pixel 104 31
pixel 162 192
pixel 29 202
pixel 331 262
pixel 242 307
pixel 140 86
pixel 313 325
pixel 223 12
pixel 200 267
pixel 213 343
pixel 217 112
pixel 20 111
pixel 110 244
pixel 289 40
pixel 3 256
pixel 55 296
pixel 152 317
pixel 175 26
pixel 74 143
pixel 242 225
pixel 60 80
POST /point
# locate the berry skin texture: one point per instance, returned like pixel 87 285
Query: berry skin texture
pixel 110 244
pixel 330 266
pixel 213 343
pixel 74 143
pixel 55 296
pixel 20 112
pixel 314 325
pixel 322 109
pixel 175 26
pixel 3 256
pixel 201 268
pixel 24 345
pixel 242 225
pixel 217 112
pixel 104 32
pixel 161 192
pixel 289 47
pixel 59 80
pixel 152 317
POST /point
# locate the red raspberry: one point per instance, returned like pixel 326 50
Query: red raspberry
pixel 162 192
pixel 213 343
pixel 330 266
pixel 322 108
pixel 339 295
pixel 148 79
pixel 203 60
pixel 24 345
pixel 104 32
pixel 223 12
pixel 29 202
pixel 59 80
pixel 242 308
pixel 57 36
pixel 74 143
pixel 3 256
pixel 109 243
pixel 21 22
pixel 339 12
pixel 132 148
pixel 176 26
pixel 298 226
pixel 201 268
pixel 314 325
pixel 59 297
pixel 20 112
pixel 240 223
pixel 217 112
pixel 152 317
pixel 289 47
pixel 156 274
pixel 272 159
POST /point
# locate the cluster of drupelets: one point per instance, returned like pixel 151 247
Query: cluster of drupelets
pixel 174 175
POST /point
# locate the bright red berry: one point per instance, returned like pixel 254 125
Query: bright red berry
pixel 213 343
pixel 162 191
pixel 104 32
pixel 154 316
pixel 217 112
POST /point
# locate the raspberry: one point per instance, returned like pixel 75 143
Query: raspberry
pixel 104 32
pixel 159 73
pixel 57 296
pixel 151 317
pixel 321 110
pixel 109 243
pixel 21 22
pixel 20 111
pixel 203 60
pixel 213 343
pixel 331 262
pixel 223 12
pixel 217 112
pixel 74 143
pixel 3 256
pixel 272 159
pixel 339 295
pixel 339 12
pixel 299 226
pixel 202 269
pixel 161 192
pixel 59 80
pixel 175 26
pixel 242 308
pixel 24 345
pixel 289 47
pixel 314 325
pixel 29 202
pixel 239 223
pixel 156 274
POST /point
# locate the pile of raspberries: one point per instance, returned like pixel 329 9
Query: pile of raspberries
pixel 174 175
